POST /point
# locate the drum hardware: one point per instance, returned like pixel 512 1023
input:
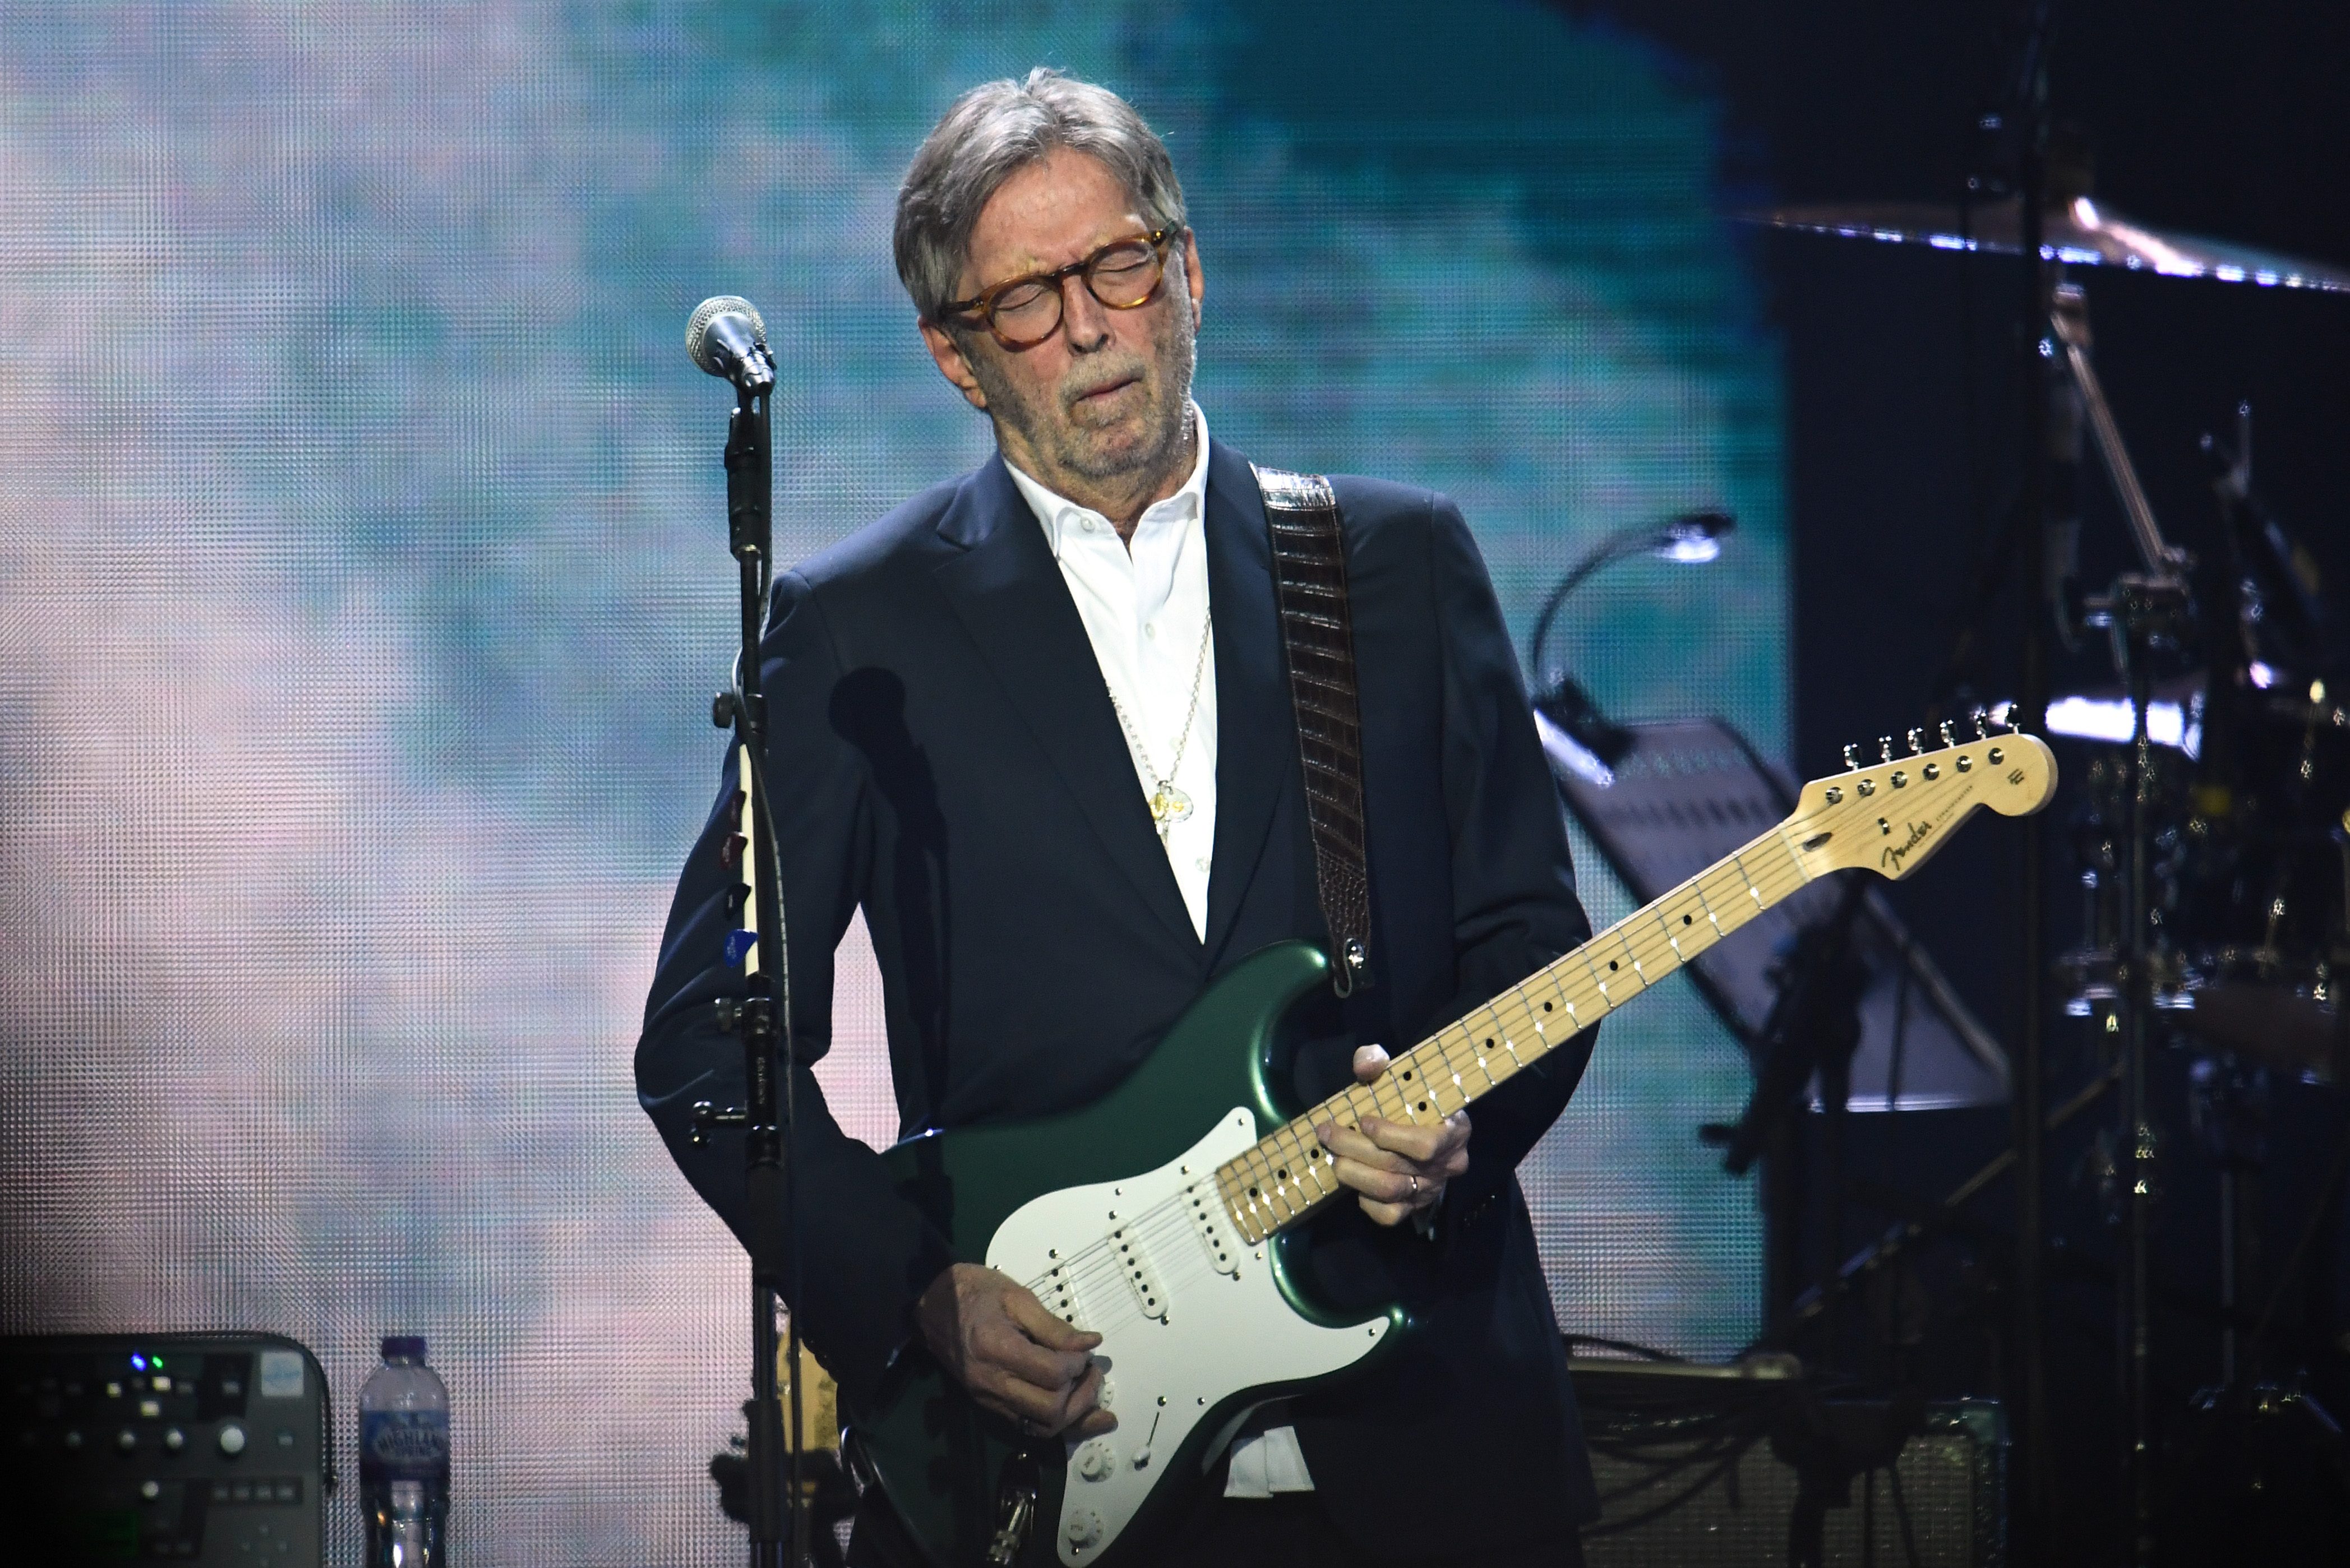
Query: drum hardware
pixel 2215 848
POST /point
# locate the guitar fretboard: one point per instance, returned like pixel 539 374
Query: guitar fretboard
pixel 1287 1176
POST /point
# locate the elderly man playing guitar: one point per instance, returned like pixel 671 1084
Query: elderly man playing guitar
pixel 1042 724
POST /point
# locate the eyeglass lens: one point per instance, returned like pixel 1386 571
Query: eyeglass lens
pixel 1122 276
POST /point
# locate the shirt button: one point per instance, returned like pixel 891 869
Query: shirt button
pixel 1086 523
pixel 1150 628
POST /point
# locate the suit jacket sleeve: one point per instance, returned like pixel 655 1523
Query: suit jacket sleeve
pixel 1513 900
pixel 865 1253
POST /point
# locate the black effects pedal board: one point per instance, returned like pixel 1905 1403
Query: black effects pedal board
pixel 164 1448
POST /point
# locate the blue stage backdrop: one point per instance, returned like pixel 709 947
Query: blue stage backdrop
pixel 362 585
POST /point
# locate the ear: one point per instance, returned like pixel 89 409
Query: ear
pixel 1194 279
pixel 951 364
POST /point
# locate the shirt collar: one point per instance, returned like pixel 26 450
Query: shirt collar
pixel 1059 516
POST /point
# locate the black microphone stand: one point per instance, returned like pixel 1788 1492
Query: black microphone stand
pixel 762 1016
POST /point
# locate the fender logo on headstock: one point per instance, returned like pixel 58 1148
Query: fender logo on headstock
pixel 1894 853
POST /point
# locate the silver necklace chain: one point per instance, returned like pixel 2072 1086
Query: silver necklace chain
pixel 1169 805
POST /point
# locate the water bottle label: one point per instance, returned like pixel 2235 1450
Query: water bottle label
pixel 412 1441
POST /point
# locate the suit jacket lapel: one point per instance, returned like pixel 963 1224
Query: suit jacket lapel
pixel 1007 590
pixel 1256 734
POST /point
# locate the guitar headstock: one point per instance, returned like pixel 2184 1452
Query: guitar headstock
pixel 1891 815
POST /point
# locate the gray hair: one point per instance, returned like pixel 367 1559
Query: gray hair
pixel 993 132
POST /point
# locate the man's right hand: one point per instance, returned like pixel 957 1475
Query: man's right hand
pixel 1014 1358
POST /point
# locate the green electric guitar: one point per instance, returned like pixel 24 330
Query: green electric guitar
pixel 1157 1216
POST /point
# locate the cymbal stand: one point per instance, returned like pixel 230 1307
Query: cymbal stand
pixel 2143 614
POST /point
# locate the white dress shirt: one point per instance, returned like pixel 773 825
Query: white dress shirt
pixel 1145 607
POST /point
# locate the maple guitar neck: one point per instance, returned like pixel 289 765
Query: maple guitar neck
pixel 1886 818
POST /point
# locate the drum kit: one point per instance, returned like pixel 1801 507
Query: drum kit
pixel 2211 834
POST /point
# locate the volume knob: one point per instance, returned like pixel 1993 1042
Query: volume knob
pixel 1095 1460
pixel 1085 1527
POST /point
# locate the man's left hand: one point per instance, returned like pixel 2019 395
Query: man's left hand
pixel 1399 1168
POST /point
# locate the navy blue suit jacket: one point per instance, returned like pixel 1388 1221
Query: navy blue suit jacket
pixel 943 753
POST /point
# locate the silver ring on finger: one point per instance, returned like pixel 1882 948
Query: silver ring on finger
pixel 1415 1189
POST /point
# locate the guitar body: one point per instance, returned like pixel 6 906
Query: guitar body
pixel 1110 1214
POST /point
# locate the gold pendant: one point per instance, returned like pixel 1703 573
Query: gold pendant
pixel 1169 805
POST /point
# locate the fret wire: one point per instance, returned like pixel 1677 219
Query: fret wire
pixel 1640 962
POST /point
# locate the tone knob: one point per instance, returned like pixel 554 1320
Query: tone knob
pixel 232 1439
pixel 1084 1527
pixel 1095 1460
pixel 1108 1395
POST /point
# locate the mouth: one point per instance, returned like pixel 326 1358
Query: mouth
pixel 1097 396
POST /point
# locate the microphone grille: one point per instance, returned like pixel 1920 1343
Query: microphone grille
pixel 709 310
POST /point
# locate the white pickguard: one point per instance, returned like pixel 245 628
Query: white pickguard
pixel 1201 1320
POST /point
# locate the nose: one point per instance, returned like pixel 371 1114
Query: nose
pixel 1084 319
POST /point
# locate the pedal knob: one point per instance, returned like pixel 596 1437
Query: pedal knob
pixel 1095 1460
pixel 232 1439
pixel 1084 1528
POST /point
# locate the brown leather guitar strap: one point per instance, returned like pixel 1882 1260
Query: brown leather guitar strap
pixel 1309 583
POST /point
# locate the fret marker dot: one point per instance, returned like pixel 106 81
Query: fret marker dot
pixel 1611 963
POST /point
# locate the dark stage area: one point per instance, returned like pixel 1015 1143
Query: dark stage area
pixel 1905 435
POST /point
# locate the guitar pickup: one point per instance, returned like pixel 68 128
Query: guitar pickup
pixel 1140 1277
pixel 1059 1292
pixel 1216 1233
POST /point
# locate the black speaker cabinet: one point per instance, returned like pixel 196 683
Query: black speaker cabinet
pixel 1729 1467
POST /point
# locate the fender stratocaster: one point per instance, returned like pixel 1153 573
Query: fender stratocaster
pixel 1158 1217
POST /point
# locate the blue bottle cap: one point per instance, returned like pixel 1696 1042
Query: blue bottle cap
pixel 397 1346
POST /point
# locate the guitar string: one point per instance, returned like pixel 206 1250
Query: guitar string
pixel 1093 1266
pixel 1648 941
pixel 1772 886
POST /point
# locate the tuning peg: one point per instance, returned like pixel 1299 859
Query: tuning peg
pixel 1983 725
pixel 2014 725
pixel 1885 747
pixel 1852 759
pixel 1948 738
pixel 1916 743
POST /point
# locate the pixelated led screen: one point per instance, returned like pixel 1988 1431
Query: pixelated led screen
pixel 363 584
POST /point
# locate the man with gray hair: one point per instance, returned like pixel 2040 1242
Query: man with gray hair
pixel 1036 723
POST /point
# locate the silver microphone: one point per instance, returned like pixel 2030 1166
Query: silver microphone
pixel 726 337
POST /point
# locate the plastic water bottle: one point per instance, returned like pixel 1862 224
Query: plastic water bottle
pixel 404 1459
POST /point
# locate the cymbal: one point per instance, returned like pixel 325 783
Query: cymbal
pixel 2080 233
